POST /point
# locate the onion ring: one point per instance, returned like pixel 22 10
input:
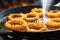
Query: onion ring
pixel 16 16
pixel 35 27
pixel 37 11
pixel 52 24
pixel 31 17
pixel 53 14
pixel 15 24
pixel 55 19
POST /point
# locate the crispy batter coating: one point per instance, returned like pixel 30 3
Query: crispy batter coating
pixel 16 16
pixel 35 27
pixel 15 24
pixel 31 17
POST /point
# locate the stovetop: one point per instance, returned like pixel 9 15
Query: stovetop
pixel 6 38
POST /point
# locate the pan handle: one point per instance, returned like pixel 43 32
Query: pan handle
pixel 58 4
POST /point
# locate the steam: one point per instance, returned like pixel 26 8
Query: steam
pixel 46 5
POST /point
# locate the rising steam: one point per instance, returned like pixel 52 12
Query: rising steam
pixel 46 5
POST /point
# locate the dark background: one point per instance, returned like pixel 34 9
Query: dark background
pixel 4 4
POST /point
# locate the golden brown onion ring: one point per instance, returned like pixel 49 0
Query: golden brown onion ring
pixel 35 27
pixel 53 14
pixel 15 24
pixel 52 24
pixel 31 17
pixel 55 19
pixel 37 11
pixel 16 16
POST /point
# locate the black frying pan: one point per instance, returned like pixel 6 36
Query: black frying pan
pixel 25 10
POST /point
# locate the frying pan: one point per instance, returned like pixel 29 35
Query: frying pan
pixel 26 9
